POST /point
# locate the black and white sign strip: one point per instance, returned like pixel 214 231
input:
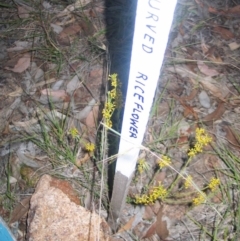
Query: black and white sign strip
pixel 152 27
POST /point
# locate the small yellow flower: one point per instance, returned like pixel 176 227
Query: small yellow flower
pixel 201 198
pixel 164 162
pixel 108 123
pixel 192 152
pixel 198 147
pixel 158 192
pixel 142 166
pixel 106 114
pixel 200 131
pixel 113 78
pixel 113 93
pixel 74 132
pixel 202 139
pixel 188 182
pixel 214 182
pixel 90 147
pixel 110 104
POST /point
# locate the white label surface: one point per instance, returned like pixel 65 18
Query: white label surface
pixel 152 27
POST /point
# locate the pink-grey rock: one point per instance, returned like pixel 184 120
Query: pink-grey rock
pixel 55 216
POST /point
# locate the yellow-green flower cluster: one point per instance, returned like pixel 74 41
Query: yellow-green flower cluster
pixel 214 182
pixel 158 192
pixel 201 198
pixel 90 147
pixel 142 165
pixel 110 104
pixel 74 132
pixel 202 139
pixel 188 182
pixel 164 162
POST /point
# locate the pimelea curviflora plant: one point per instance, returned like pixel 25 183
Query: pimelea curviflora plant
pixel 157 192
pixel 90 147
pixel 164 162
pixel 142 165
pixel 113 100
pixel 162 193
pixel 202 139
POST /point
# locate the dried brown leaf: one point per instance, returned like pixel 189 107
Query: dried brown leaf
pixel 128 225
pixel 191 96
pixel 224 33
pixel 212 10
pixel 204 47
pixel 70 30
pixel 87 27
pixel 20 210
pixel 206 70
pixel 151 231
pixel 148 213
pixel 218 90
pixel 156 207
pixel 56 95
pixel 159 177
pixel 21 65
pixel 231 137
pixel 215 115
pixel 182 139
pixel 161 225
pixel 24 11
pixel 234 10
pixel 6 130
pixel 83 160
pixel 94 12
pixel 231 11
pixel 92 118
pixel 188 110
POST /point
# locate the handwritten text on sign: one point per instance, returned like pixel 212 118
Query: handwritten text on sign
pixel 152 26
